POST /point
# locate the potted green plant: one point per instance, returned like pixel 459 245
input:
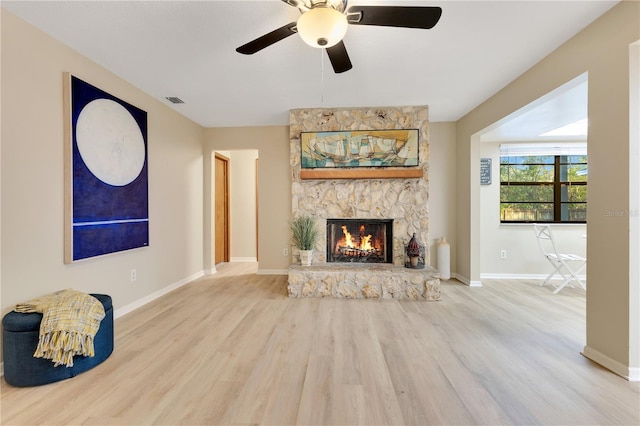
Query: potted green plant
pixel 304 237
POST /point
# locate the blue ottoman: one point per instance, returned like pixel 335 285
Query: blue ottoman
pixel 20 338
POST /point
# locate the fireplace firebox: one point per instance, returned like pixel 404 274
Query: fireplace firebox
pixel 360 240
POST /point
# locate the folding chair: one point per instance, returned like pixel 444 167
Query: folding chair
pixel 560 261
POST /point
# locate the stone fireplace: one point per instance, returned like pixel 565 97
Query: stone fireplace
pixel 401 203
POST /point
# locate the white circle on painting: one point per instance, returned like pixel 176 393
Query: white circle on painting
pixel 110 142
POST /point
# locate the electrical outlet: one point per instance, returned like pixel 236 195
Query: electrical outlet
pixel 285 252
pixel 503 254
pixel 133 275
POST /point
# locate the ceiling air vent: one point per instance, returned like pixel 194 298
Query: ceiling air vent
pixel 174 100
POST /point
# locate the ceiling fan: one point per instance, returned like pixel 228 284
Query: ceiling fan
pixel 324 23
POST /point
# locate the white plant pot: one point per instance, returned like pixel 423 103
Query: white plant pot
pixel 305 257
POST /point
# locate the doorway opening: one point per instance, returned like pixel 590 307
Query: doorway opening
pixel 236 195
pixel 551 127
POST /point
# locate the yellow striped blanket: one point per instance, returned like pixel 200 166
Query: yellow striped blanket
pixel 70 321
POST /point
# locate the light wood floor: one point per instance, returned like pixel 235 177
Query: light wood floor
pixel 233 349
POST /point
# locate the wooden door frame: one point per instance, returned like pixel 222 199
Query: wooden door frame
pixel 257 211
pixel 227 250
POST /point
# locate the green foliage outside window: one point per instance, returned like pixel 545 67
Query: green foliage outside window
pixel 543 188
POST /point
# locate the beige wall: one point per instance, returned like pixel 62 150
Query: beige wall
pixel 243 204
pixel 32 180
pixel 274 189
pixel 634 204
pixel 602 50
pixel 442 188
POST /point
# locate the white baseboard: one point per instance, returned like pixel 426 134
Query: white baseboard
pixel 153 296
pixel 631 374
pixel 466 281
pixel 540 277
pixel 243 259
pixel 211 271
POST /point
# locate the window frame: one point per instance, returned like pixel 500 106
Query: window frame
pixel 556 183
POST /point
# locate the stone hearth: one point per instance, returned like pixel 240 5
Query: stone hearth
pixel 364 281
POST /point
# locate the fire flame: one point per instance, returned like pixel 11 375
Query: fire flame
pixel 365 243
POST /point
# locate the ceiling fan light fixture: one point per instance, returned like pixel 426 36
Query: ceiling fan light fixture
pixel 322 27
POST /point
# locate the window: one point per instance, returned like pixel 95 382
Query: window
pixel 543 188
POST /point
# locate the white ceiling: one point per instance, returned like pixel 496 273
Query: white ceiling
pixel 187 49
pixel 565 105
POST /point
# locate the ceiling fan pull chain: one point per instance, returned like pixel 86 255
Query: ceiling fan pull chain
pixel 321 75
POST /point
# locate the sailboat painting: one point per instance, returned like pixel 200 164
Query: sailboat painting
pixel 366 148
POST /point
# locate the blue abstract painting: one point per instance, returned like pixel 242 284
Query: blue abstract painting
pixel 109 209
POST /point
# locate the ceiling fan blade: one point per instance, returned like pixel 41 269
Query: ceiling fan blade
pixel 267 39
pixel 339 58
pixel 395 16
